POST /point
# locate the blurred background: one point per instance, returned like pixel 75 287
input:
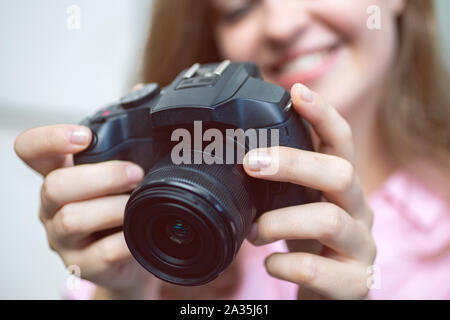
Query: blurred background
pixel 55 68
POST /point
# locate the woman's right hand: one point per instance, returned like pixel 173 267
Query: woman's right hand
pixel 80 204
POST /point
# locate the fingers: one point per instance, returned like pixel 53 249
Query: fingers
pixel 321 221
pixel 88 181
pixel 46 148
pixel 332 175
pixel 330 278
pixel 334 132
pixel 99 258
pixel 75 221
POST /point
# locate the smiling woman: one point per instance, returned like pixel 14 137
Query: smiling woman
pixel 414 116
pixel 388 84
pixel 376 104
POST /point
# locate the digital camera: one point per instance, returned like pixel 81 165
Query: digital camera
pixel 187 219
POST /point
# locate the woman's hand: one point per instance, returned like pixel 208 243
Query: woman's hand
pixel 342 224
pixel 82 208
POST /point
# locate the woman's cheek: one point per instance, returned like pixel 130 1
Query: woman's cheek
pixel 350 17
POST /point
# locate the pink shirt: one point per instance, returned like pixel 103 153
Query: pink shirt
pixel 412 233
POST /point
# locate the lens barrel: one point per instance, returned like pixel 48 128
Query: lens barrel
pixel 186 223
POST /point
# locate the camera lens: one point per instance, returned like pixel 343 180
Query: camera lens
pixel 179 232
pixel 186 223
pixel 175 237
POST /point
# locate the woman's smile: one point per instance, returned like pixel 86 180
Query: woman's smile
pixel 305 66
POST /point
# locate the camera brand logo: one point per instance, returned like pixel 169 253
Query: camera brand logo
pixel 214 146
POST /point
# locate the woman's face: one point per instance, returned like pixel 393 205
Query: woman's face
pixel 325 44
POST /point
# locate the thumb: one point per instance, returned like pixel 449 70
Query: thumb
pixel 47 148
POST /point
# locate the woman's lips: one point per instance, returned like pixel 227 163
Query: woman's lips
pixel 306 68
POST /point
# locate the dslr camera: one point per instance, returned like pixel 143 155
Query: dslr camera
pixel 187 219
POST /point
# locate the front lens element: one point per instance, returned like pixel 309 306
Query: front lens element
pixel 179 231
pixel 185 223
pixel 174 237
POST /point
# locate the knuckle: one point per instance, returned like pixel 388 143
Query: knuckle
pixel 362 287
pixel 266 226
pixel 51 187
pixel 109 253
pixel 50 241
pixel 41 218
pixel 292 161
pixel 51 245
pixel 332 222
pixel 346 175
pixel 372 249
pixel 68 220
pixel 346 133
pixel 374 252
pixel 370 218
pixel 362 291
pixel 305 270
pixel 115 173
pixel 368 242
pixel 41 215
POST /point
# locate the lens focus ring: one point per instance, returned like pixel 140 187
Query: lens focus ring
pixel 223 182
pixel 213 199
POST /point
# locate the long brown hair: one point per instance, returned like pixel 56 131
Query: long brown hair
pixel 180 34
pixel 415 116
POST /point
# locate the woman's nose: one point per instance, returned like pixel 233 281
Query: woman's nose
pixel 283 20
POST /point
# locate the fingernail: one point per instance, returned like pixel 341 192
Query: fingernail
pixel 253 231
pixel 79 136
pixel 258 160
pixel 305 93
pixel 134 173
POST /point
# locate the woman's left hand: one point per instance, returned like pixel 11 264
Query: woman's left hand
pixel 342 223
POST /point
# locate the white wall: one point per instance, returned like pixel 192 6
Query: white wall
pixel 49 74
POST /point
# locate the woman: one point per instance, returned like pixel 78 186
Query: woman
pixel 376 102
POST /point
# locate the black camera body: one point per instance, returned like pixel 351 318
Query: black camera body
pixel 185 222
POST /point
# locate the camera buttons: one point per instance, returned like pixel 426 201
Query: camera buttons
pixel 98 119
pixel 288 107
pixel 136 98
pixel 94 141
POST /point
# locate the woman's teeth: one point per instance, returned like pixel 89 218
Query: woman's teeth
pixel 305 62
